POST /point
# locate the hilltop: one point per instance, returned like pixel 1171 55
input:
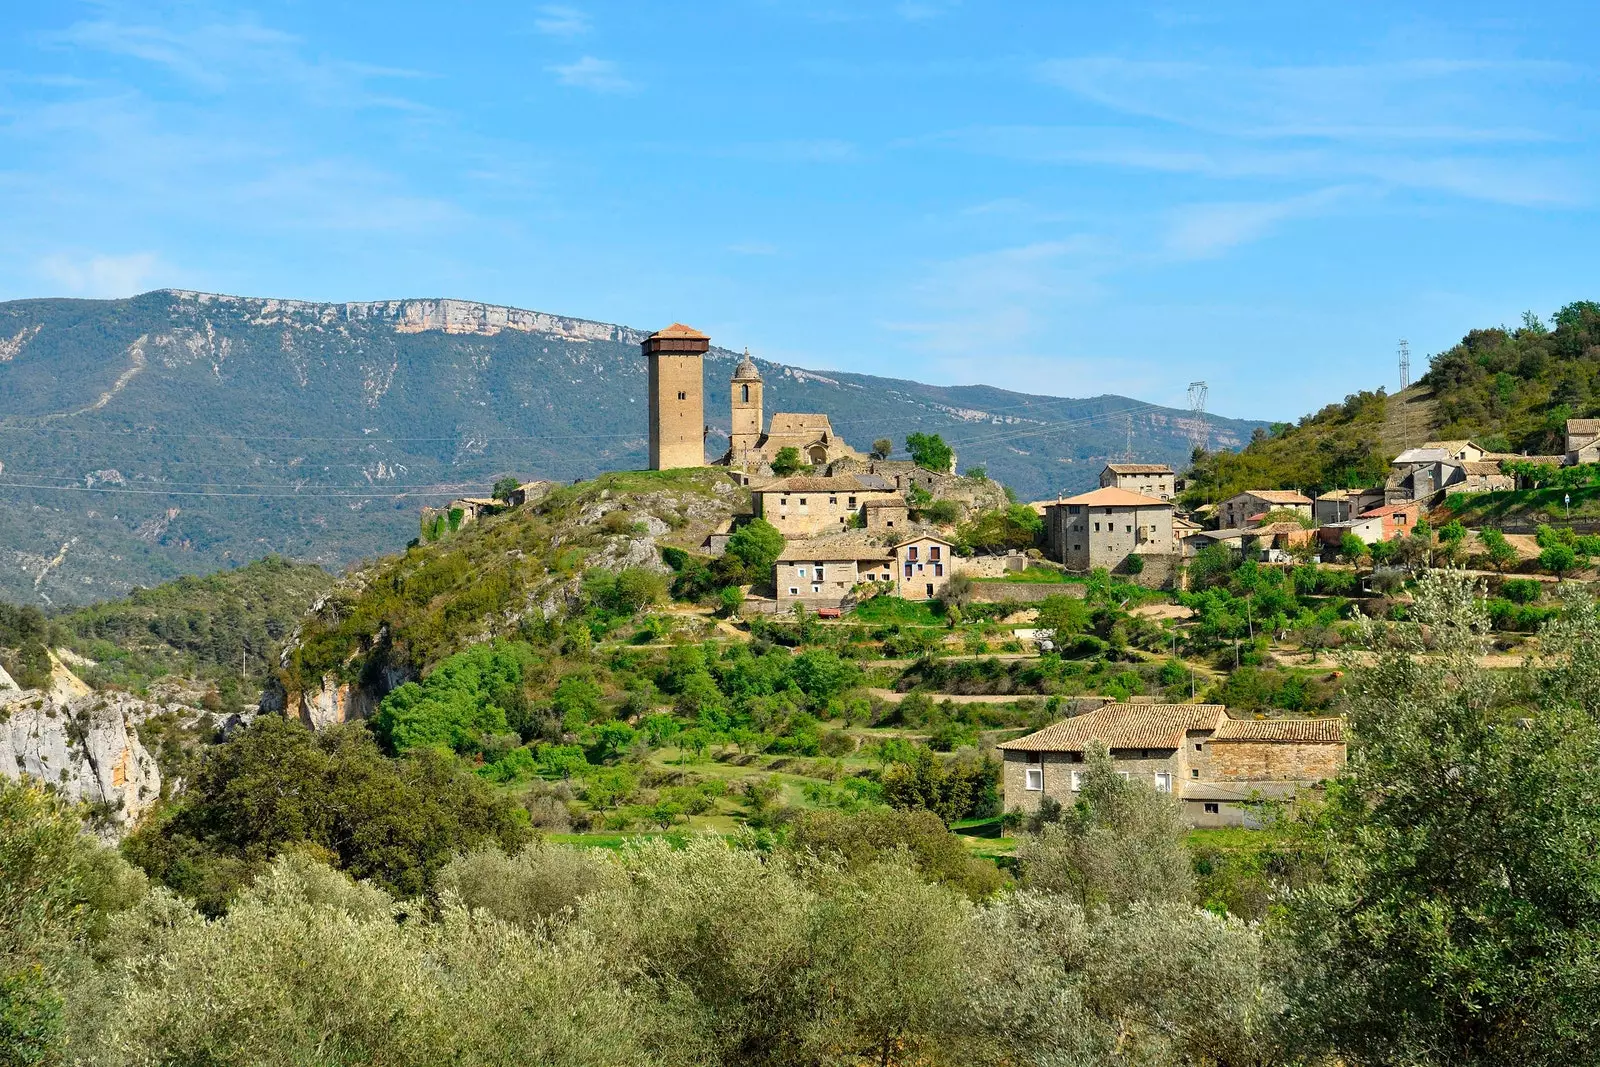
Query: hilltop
pixel 183 432
pixel 1509 389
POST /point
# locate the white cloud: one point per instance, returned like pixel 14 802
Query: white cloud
pixel 600 75
pixel 556 20
pixel 1204 231
pixel 104 275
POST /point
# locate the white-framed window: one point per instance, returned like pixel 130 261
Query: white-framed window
pixel 1163 782
pixel 833 500
pixel 1212 809
pixel 1194 772
pixel 1077 781
pixel 801 571
pixel 1033 779
pixel 793 591
pixel 1126 776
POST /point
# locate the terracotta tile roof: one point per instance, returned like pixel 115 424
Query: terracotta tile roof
pixel 1423 455
pixel 679 331
pixel 823 551
pixel 1122 726
pixel 1583 427
pixel 1112 497
pixel 1317 731
pixel 1389 509
pixel 810 484
pixel 880 502
pixel 1450 446
pixel 1278 496
pixel 1482 467
pixel 1139 468
pixel 1281 528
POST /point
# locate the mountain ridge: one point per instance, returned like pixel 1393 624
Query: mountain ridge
pixel 179 431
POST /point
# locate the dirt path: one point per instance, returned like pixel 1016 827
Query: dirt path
pixel 957 698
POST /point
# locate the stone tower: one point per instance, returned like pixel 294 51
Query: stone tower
pixel 677 397
pixel 746 390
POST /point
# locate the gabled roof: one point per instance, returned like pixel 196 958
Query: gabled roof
pixel 883 502
pixel 806 483
pixel 1139 468
pixel 1583 427
pixel 1112 497
pixel 1277 496
pixel 1423 455
pixel 1389 509
pixel 1122 726
pixel 1453 446
pixel 1317 731
pixel 824 551
pixel 1482 467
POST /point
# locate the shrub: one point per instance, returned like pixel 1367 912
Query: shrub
pixel 1520 590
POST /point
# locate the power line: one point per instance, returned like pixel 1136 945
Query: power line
pixel 196 492
pixel 1200 430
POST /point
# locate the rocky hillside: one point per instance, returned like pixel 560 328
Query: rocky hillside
pixel 180 432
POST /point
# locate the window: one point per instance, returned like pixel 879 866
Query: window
pixel 816 589
pixel 1097 527
pixel 833 500
pixel 1130 529
pixel 1033 778
pixel 1108 511
pixel 802 501
pixel 682 395
pixel 1077 548
pixel 933 552
pixel 820 576
pixel 890 524
pixel 744 394
pixel 1211 809
pixel 1198 746
pixel 910 570
pixel 793 591
pixel 911 554
pixel 852 501
pixel 938 570
pixel 1077 781
pixel 800 572
pixel 1194 772
pixel 1126 776
pixel 1163 782
pixel 929 589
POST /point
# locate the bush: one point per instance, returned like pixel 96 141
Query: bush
pixel 1520 590
pixel 786 462
pixel 929 452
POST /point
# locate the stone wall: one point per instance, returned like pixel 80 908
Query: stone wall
pixel 1273 761
pixel 997 592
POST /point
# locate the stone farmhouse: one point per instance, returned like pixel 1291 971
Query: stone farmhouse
pixel 1103 527
pixel 1216 765
pixel 823 574
pixel 1238 510
pixel 1340 505
pixel 1583 441
pixel 808 506
pixel 1149 479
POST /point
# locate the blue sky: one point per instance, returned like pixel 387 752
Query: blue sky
pixel 1052 197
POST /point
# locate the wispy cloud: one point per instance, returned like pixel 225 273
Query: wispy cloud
pixel 98 275
pixel 598 75
pixel 219 55
pixel 556 20
pixel 1204 231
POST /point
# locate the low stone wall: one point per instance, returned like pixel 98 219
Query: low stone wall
pixel 1025 592
pixel 1160 571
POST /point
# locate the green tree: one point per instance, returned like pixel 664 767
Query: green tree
pixel 929 452
pixel 786 462
pixel 276 785
pixel 1558 559
pixel 1121 843
pixel 882 448
pixel 503 488
pixel 757 545
pixel 1458 844
pixel 1352 548
pixel 1500 551
pixel 463 699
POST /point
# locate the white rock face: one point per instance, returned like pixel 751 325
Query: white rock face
pixel 6 682
pixel 85 747
pixel 332 703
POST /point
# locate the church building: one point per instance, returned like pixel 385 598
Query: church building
pixel 751 449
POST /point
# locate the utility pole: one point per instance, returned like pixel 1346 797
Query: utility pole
pixel 1199 433
pixel 1405 383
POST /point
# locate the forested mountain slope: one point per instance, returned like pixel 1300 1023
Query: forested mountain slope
pixel 179 432
pixel 1510 389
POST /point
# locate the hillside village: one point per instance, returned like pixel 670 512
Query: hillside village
pixel 862 530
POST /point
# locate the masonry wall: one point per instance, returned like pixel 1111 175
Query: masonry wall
pixel 994 592
pixel 677 427
pixel 1141 765
pixel 1273 761
pixel 807 513
pixel 1075 541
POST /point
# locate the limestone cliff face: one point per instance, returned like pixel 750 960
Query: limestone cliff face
pixel 85 746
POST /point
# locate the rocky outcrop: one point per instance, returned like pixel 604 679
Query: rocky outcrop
pixel 85 746
pixel 333 702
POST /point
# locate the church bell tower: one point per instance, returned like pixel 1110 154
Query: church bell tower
pixel 746 406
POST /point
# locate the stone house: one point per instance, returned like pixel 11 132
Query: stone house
pixel 1397 519
pixel 1369 528
pixel 1460 451
pixel 1214 764
pixel 751 449
pixel 1339 505
pixel 1485 476
pixel 887 513
pixel 1103 527
pixel 1149 479
pixel 1583 441
pixel 1239 509
pixel 822 574
pixel 922 567
pixel 807 506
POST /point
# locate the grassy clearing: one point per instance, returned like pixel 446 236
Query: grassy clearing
pixel 1038 575
pixel 884 610
pixel 1524 505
